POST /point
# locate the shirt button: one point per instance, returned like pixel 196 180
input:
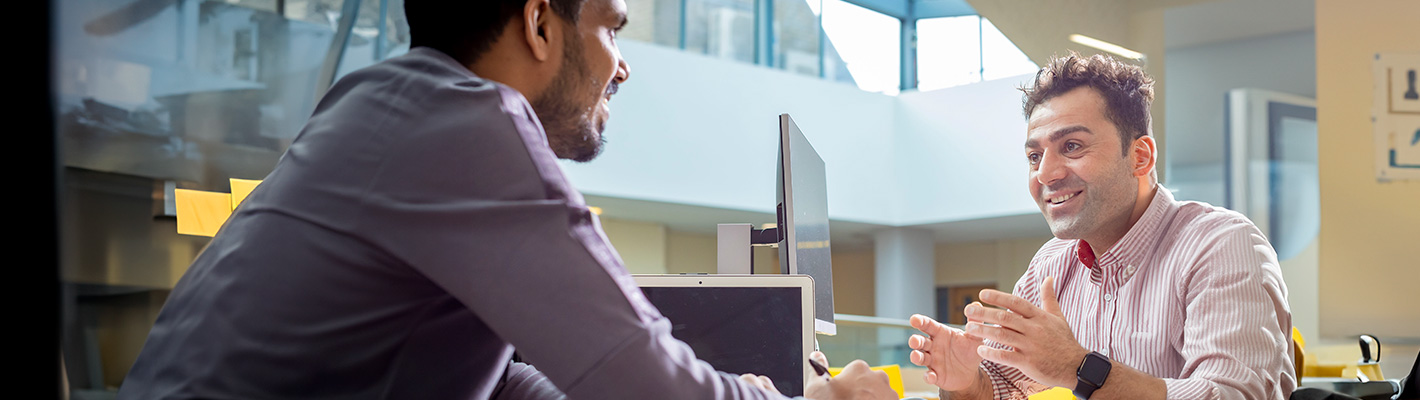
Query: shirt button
pixel 1108 297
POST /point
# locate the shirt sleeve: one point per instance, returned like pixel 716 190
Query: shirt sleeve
pixel 1237 332
pixel 452 201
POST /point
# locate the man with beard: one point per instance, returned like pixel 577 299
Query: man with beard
pixel 1138 296
pixel 419 230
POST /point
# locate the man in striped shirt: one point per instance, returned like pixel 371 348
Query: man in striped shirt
pixel 1138 296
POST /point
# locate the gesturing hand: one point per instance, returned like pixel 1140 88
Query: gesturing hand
pixel 1042 345
pixel 948 353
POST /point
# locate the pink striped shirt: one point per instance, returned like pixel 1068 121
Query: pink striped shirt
pixel 1191 294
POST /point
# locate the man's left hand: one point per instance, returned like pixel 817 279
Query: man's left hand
pixel 1042 345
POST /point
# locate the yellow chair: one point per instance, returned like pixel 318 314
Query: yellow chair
pixel 893 371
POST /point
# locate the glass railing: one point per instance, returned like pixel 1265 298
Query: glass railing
pixel 876 340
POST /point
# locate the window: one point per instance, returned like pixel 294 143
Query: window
pixel 948 52
pixel 955 51
pixel 720 28
pixel 796 36
pixel 653 21
pixel 868 46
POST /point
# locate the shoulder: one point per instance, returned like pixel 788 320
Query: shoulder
pixel 1218 243
pixel 431 124
pixel 1197 215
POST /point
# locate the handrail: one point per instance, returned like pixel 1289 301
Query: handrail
pixel 877 321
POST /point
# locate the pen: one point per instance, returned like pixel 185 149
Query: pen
pixel 819 368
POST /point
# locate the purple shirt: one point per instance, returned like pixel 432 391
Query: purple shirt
pixel 416 232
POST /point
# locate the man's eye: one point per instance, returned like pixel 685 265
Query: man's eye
pixel 1072 146
pixel 1034 158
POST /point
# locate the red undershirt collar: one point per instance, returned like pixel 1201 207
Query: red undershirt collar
pixel 1086 254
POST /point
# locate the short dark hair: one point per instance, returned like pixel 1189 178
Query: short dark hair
pixel 1126 89
pixel 465 29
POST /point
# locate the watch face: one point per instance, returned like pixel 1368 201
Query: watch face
pixel 1094 369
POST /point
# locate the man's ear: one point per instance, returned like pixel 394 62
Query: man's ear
pixel 1142 156
pixel 538 28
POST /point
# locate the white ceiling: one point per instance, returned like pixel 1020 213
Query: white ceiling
pixel 1225 20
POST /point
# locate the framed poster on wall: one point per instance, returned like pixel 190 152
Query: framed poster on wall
pixel 1395 116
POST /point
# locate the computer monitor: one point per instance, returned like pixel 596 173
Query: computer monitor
pixel 741 324
pixel 802 194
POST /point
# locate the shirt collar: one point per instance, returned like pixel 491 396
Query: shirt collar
pixel 1134 247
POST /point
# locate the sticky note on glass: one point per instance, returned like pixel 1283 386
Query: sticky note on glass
pixel 201 213
pixel 240 189
pixel 1055 393
pixel 893 371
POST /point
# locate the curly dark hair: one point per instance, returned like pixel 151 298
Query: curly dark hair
pixel 465 29
pixel 1126 89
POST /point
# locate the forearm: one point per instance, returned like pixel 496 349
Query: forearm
pixel 981 390
pixel 1128 383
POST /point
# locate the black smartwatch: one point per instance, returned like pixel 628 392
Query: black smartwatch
pixel 1091 374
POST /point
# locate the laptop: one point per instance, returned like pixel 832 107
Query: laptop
pixel 756 324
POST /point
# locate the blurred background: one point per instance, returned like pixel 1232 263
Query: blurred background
pixel 1262 106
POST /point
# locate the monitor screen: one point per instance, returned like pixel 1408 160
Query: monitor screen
pixel 740 330
pixel 803 213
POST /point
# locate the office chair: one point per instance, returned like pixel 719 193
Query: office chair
pixel 1410 386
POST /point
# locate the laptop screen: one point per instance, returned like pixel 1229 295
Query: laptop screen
pixel 755 330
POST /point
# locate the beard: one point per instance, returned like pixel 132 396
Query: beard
pixel 1109 202
pixel 566 117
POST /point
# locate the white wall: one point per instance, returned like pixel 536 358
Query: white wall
pixel 959 153
pixel 695 130
pixel 1368 228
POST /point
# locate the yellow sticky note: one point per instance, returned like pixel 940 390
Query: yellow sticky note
pixel 201 213
pixel 240 189
pixel 1055 393
pixel 893 371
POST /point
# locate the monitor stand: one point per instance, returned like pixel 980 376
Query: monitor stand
pixel 733 244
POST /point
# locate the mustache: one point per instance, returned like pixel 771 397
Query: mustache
pixel 1069 184
pixel 612 88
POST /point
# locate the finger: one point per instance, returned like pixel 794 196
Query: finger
pixel 982 314
pixel 995 333
pixel 768 383
pixel 855 367
pixel 1009 302
pixel 881 376
pixel 1048 301
pixel 817 377
pixel 918 357
pixel 750 379
pixel 999 356
pixel 926 324
pixel 818 356
pixel 919 342
pixel 930 377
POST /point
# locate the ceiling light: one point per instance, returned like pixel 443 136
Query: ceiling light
pixel 1106 46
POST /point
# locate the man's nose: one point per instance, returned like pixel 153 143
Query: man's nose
pixel 623 70
pixel 1050 169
